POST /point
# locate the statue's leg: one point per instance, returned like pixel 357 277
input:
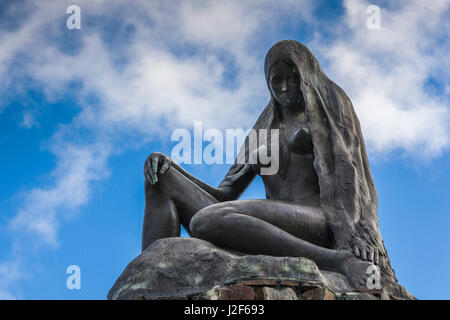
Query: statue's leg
pixel 172 201
pixel 269 227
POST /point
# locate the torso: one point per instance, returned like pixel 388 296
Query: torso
pixel 301 184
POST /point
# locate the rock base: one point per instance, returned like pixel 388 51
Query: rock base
pixel 193 269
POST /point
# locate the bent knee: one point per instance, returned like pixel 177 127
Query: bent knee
pixel 207 220
pixel 200 223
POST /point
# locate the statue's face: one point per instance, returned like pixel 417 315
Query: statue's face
pixel 284 83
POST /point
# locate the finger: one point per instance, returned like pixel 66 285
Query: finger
pixel 150 172
pixel 356 250
pixel 363 254
pixel 155 161
pixel 371 255
pixel 147 175
pixel 164 167
pixel 154 171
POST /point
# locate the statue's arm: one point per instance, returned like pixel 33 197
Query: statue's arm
pixel 236 181
pixel 229 189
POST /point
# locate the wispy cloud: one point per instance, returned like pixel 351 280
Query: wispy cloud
pixel 10 272
pixel 158 81
pixel 153 62
pixel 44 208
pixel 386 71
pixel 28 120
pixel 146 62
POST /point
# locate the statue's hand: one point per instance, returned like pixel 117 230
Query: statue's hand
pixel 364 251
pixel 156 164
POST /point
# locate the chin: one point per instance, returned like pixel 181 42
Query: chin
pixel 288 105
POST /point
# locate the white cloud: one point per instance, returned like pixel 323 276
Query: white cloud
pixel 160 80
pixel 10 272
pixel 385 73
pixel 177 63
pixel 44 208
pixel 28 121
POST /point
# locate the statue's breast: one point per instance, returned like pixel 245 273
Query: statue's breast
pixel 299 140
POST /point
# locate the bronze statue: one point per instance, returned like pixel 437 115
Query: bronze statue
pixel 322 202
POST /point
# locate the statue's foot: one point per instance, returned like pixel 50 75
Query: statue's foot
pixel 357 271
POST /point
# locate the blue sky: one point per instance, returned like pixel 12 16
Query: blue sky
pixel 81 109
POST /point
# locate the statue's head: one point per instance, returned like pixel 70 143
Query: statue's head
pixel 284 83
pixel 288 66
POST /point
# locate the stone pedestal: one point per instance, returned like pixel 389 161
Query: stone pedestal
pixel 188 268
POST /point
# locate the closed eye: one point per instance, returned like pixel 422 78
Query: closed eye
pixel 292 79
pixel 276 80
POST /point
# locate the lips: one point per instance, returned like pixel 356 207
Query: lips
pixel 286 97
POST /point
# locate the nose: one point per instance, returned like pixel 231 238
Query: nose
pixel 283 85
